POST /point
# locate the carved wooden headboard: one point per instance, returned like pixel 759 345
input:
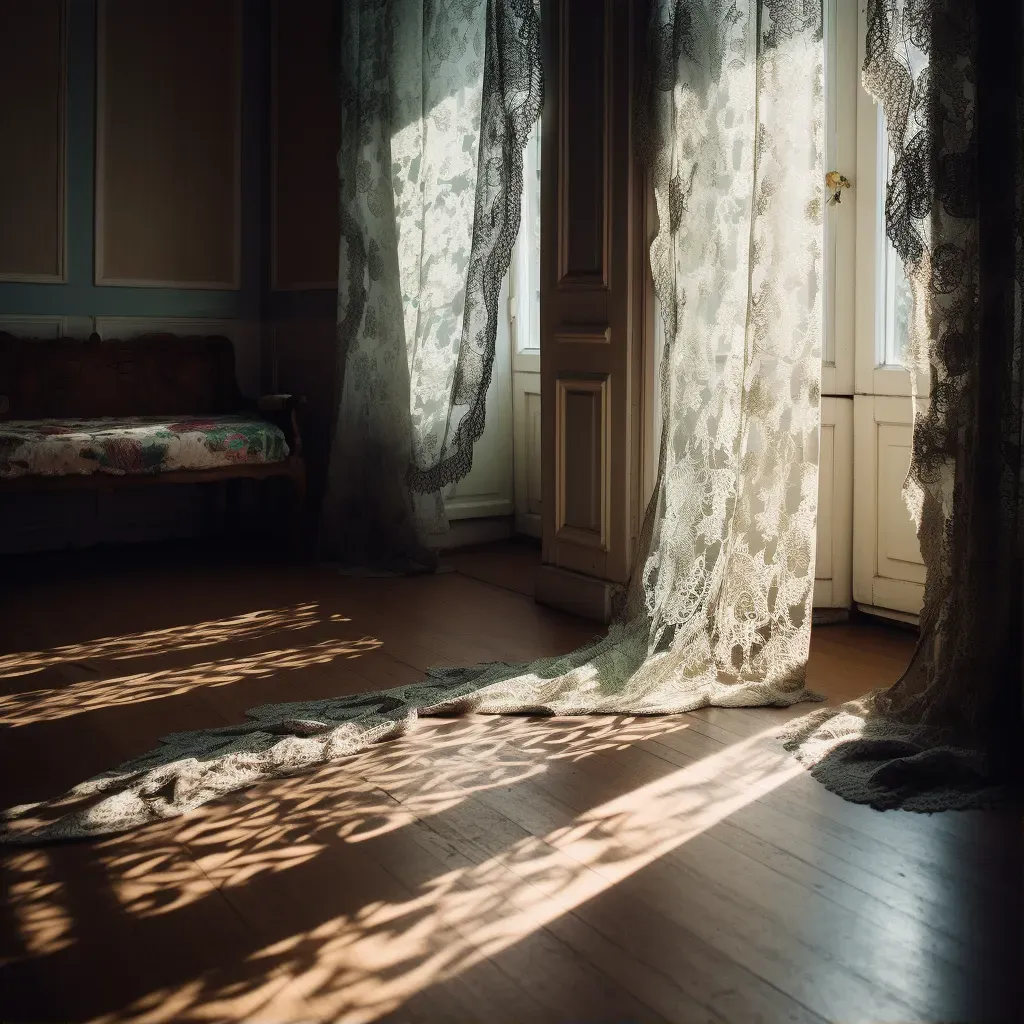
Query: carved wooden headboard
pixel 151 375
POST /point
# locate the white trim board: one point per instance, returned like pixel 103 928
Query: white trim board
pixel 46 328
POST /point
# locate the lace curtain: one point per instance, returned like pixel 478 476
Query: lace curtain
pixel 437 101
pixel 937 739
pixel 719 608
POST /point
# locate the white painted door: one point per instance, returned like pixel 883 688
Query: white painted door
pixel 867 549
pixel 888 571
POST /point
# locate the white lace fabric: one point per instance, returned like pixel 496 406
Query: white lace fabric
pixel 438 98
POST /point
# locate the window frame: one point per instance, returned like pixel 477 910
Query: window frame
pixel 839 228
pixel 873 306
pixel 524 320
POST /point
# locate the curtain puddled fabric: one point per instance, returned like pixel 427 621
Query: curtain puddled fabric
pixel 719 608
pixel 943 736
pixel 438 98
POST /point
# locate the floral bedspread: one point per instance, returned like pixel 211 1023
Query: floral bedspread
pixel 138 444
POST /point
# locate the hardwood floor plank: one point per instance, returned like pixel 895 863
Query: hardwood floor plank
pixel 667 968
pixel 607 869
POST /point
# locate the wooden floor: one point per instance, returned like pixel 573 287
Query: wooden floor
pixel 485 869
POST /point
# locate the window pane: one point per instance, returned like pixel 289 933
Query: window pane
pixel 898 323
pixel 895 292
pixel 526 259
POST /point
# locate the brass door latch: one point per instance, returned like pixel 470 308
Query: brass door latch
pixel 835 183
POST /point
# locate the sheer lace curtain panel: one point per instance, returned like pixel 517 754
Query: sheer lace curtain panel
pixel 438 98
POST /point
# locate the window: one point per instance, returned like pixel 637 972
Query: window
pixel 894 288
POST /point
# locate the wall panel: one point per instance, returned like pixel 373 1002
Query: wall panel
pixel 888 570
pixel 32 136
pixel 306 126
pixel 44 328
pixel 584 135
pixel 168 140
pixel 833 558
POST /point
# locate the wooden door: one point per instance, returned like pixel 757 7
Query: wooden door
pixel 592 302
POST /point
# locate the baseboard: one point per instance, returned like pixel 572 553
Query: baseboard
pixel 465 533
pixel 572 592
pixel 887 613
pixel 829 616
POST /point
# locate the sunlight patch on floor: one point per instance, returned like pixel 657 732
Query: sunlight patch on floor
pixel 37 904
pixel 75 698
pixel 472 895
pixel 232 629
pixel 367 963
pixel 371 962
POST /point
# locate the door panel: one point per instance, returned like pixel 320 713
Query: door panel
pixel 834 556
pixel 526 406
pixel 899 553
pixel 888 569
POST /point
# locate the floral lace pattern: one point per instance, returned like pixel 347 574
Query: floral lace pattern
pixel 931 742
pixel 437 101
pixel 719 608
pixel 736 129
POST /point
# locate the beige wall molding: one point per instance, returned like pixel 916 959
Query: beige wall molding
pixel 304 128
pixel 168 150
pixel 33 130
pixel 46 328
